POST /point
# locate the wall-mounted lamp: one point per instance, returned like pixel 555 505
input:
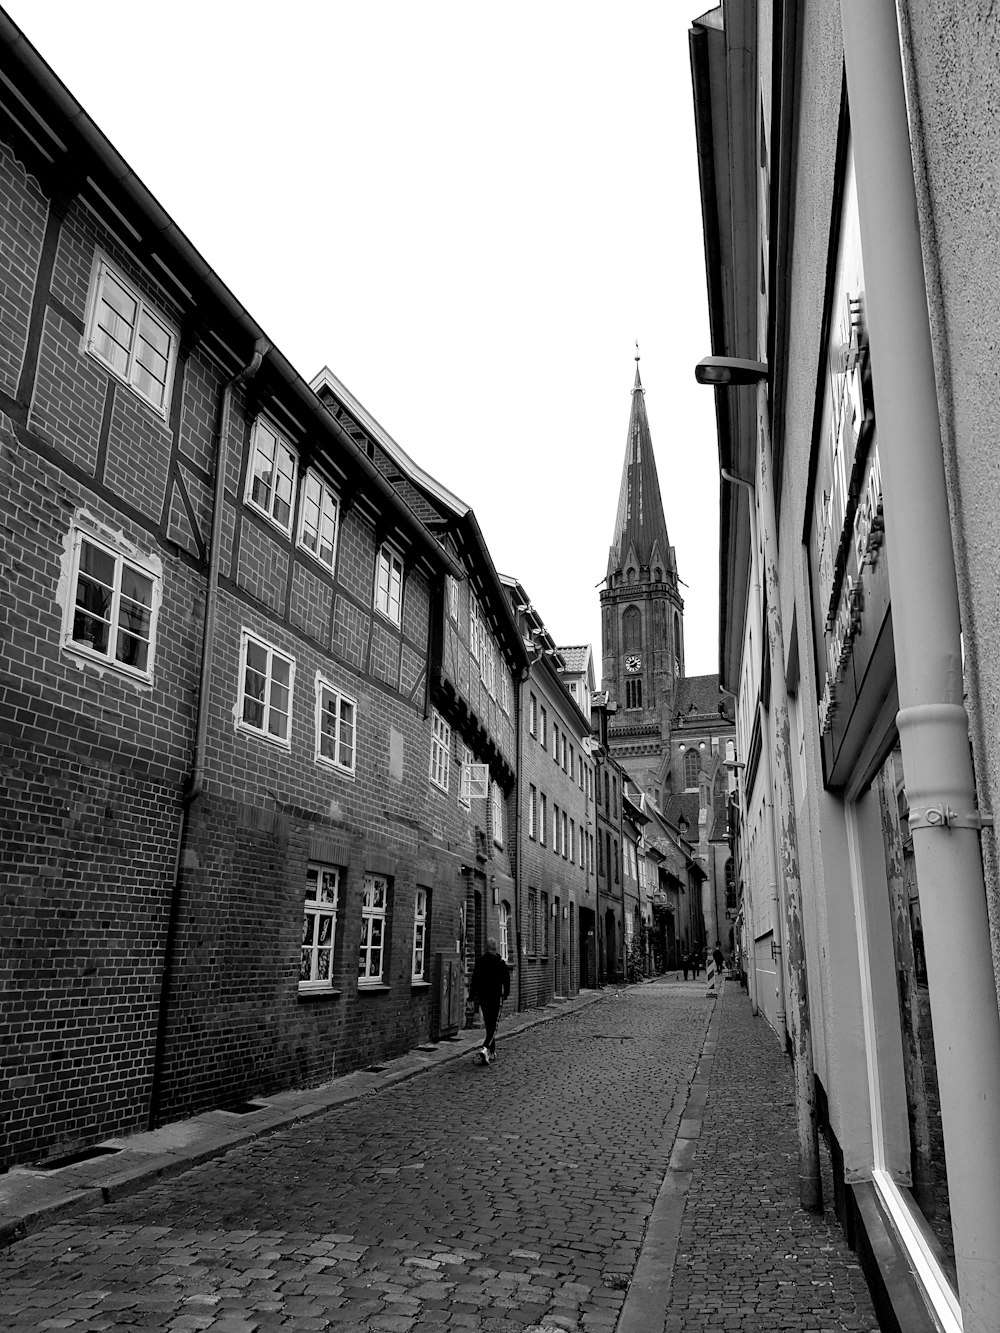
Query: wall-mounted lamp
pixel 565 913
pixel 683 826
pixel 701 745
pixel 496 891
pixel 723 371
pixel 555 909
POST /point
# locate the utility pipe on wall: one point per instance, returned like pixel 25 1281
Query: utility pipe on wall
pixel 932 721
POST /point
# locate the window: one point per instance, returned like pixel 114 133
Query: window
pixel 533 922
pixel 562 740
pixel 633 694
pixel 464 800
pixel 562 834
pixel 132 339
pixel 319 927
pixel 336 716
pixel 542 733
pixel 572 839
pixel 389 584
pixel 374 906
pixel 475 631
pixel 614 800
pixel 555 828
pixel 503 921
pixel 555 742
pixel 440 751
pixel 572 764
pixel 318 519
pixel 503 685
pixel 451 584
pixel 631 629
pixel 600 854
pixel 420 916
pixel 692 763
pixel 496 803
pixel 532 811
pixel 267 678
pixel 532 715
pixel 112 610
pixel 615 846
pixel 545 925
pixel 542 820
pixel 271 475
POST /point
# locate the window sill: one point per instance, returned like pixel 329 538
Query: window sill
pixel 373 988
pixel 420 985
pixel 319 994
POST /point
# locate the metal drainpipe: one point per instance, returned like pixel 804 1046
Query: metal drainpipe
pixel 261 348
pixel 932 722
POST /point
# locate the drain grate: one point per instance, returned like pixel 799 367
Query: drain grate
pixel 73 1159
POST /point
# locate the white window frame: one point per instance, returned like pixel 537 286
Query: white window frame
pixel 451 583
pixel 265 431
pixel 562 833
pixel 132 372
pixel 264 731
pixel 374 921
pixel 146 568
pixel 464 798
pixel 532 715
pixel 496 803
pixel 314 912
pixel 532 811
pixel 345 738
pixel 388 594
pixel 475 630
pixel 327 507
pixel 543 816
pixel 440 766
pixel 503 930
pixel 418 971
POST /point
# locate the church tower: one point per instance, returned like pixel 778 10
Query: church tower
pixel 642 617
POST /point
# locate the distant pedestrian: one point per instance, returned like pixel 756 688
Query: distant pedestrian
pixel 685 965
pixel 719 958
pixel 489 987
pixel 695 963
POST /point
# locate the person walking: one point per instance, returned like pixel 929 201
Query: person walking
pixel 695 963
pixel 717 954
pixel 489 987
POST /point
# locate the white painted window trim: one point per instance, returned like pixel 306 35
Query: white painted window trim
pixel 324 686
pixel 371 915
pixel 418 970
pixel 388 602
pixel 503 925
pixel 281 448
pixel 147 567
pixel 440 766
pixel 263 733
pixel 467 758
pixel 496 801
pixel 103 268
pixel 328 498
pixel 315 909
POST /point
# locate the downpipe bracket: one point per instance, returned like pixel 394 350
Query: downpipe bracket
pixel 943 816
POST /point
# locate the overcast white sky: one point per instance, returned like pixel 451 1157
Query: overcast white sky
pixel 471 213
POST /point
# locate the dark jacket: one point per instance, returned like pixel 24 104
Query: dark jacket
pixel 490 980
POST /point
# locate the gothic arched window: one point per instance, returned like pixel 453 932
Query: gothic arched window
pixel 720 787
pixel 692 762
pixel 677 643
pixel 631 629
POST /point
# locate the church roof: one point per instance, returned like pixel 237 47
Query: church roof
pixel 698 696
pixel 640 525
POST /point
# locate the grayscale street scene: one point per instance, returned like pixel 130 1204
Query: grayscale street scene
pixel 499 667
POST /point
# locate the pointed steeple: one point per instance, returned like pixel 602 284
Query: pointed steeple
pixel 640 527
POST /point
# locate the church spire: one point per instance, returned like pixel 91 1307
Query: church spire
pixel 640 527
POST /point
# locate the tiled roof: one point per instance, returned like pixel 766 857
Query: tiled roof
pixel 699 694
pixel 576 657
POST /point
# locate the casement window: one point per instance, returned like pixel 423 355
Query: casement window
pixel 440 751
pixel 421 915
pixel 532 715
pixel 555 742
pixel 503 684
pixel 389 584
pixel 130 336
pixel 496 804
pixel 615 847
pixel 545 925
pixel 542 733
pixel 319 927
pixel 319 511
pixel 562 740
pixel 562 834
pixel 503 923
pixel 111 611
pixel 572 840
pixel 555 828
pixel 451 584
pixel 336 727
pixel 532 922
pixel 475 629
pixel 271 475
pixel 267 679
pixel 532 811
pixel 542 817
pixel 464 800
pixel 490 668
pixel 374 916
pixel 600 855
pixel 572 763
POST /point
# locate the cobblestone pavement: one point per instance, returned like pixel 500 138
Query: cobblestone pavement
pixel 749 1260
pixel 511 1199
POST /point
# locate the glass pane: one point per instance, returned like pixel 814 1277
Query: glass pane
pixel 328 888
pixel 260 492
pixel 97 564
pixel 132 651
pixel 323 957
pixel 377 925
pixel 91 632
pixel 325 929
pixel 117 299
pixel 305 965
pixel 308 928
pixel 311 876
pixel 927 1159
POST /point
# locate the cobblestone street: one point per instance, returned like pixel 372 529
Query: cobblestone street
pixel 506 1198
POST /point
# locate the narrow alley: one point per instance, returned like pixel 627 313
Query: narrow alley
pixel 554 1190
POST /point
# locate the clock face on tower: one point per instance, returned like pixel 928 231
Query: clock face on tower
pixel 633 662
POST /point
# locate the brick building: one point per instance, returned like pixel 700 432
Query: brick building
pixel 237 681
pixel 556 840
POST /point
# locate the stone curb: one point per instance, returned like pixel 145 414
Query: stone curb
pixel 32 1199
